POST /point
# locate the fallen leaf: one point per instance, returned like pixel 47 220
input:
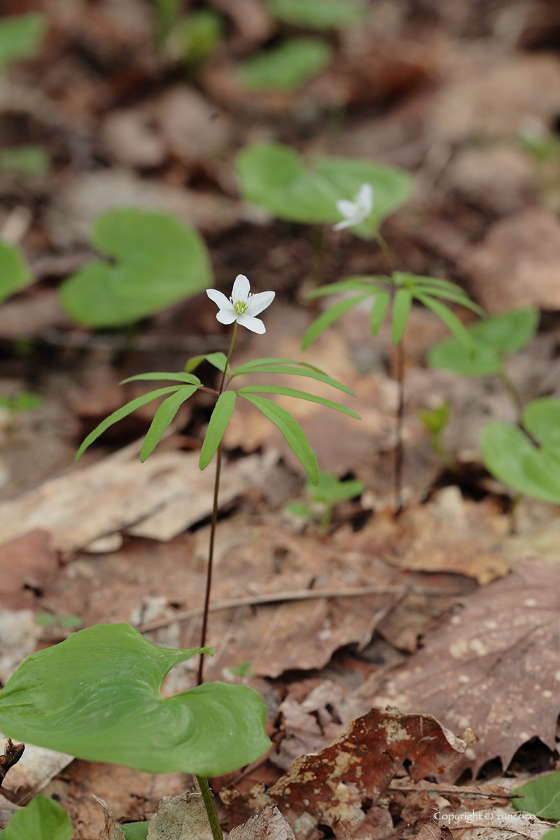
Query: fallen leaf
pixel 33 772
pixel 268 825
pixel 111 831
pixel 492 666
pixel 180 818
pixel 27 566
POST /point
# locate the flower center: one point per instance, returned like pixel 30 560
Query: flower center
pixel 240 306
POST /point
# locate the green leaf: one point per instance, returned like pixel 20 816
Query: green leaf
pixel 328 317
pixel 276 177
pixel 25 160
pixel 136 830
pixel 378 310
pixel 20 36
pixel 216 427
pixel 401 310
pixel 97 696
pixel 435 419
pixel 318 14
pixel 331 490
pixel 351 284
pixel 293 392
pixel 292 433
pixel 174 377
pixel 14 274
pixel 219 360
pixel 510 455
pixel 164 417
pixel 157 261
pixel 493 338
pixel 286 67
pixel 120 413
pixel 299 509
pixel 195 37
pixel 42 819
pixel 449 319
pixel 298 371
pixel 247 367
pixel 406 278
pixel 542 798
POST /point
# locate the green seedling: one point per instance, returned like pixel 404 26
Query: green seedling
pixel 97 695
pixel 20 37
pixel 435 420
pixel 14 274
pixel 196 37
pixel 67 622
pixel 25 160
pixel 542 798
pixel 286 67
pixel 275 177
pixel 157 261
pixel 42 819
pixel 242 670
pixel 167 12
pixel 318 14
pixel 325 495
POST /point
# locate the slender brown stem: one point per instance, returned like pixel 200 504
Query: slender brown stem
pixel 209 567
pixel 399 449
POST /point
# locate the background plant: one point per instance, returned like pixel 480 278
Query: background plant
pixel 323 497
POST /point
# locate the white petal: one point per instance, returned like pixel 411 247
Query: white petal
pixel 219 299
pixel 226 316
pixel 253 324
pixel 259 302
pixel 365 198
pixel 241 289
pixel 346 208
pixel 346 223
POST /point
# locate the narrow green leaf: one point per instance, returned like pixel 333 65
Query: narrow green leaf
pixel 218 359
pixel 42 819
pixel 293 392
pixel 401 310
pixel 120 413
pixel 97 696
pixel 378 310
pixel 174 377
pixel 352 284
pixel 216 427
pixel 449 319
pixel 297 371
pixel 163 417
pixel 460 297
pixel 291 431
pixel 247 367
pixel 436 282
pixel 327 318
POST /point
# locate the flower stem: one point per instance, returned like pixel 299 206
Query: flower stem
pixel 209 567
pixel 210 807
pixel 399 448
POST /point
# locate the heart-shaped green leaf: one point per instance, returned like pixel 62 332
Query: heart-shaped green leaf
pixel 14 274
pixel 287 66
pixel 97 696
pixel 492 339
pixel 510 455
pixel 276 177
pixel 540 797
pixel 158 261
pixel 318 14
pixel 42 819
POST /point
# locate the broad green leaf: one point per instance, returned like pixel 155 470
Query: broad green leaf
pixel 299 509
pixel 351 284
pixel 292 433
pixel 292 370
pixel 293 392
pixel 157 261
pixel 330 489
pixel 449 319
pixel 493 338
pixel 19 37
pixel 219 361
pixel 542 798
pixel 217 426
pixel 276 177
pixel 318 14
pixel 135 831
pixel 25 160
pixel 401 309
pixel 164 417
pixel 328 317
pixel 174 377
pixel 120 413
pixel 378 310
pixel 510 455
pixel 42 819
pixel 97 696
pixel 14 274
pixel 287 66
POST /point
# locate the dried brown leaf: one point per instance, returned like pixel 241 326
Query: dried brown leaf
pixel 111 831
pixel 268 825
pixel 180 818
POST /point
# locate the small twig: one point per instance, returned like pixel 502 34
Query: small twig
pixel 453 790
pixel 298 595
pixel 12 754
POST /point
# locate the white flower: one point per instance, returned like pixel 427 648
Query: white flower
pixel 242 306
pixel 357 210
